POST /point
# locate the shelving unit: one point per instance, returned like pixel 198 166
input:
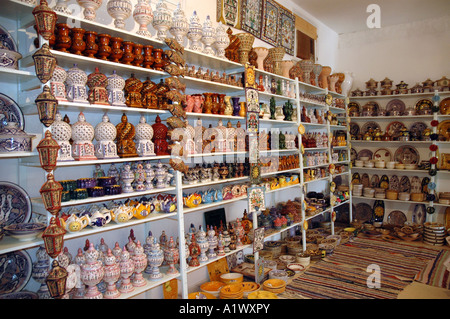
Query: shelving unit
pixel 28 87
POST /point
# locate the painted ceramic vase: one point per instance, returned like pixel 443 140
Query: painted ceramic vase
pixel 155 259
pixel 222 41
pixel 246 40
pixel 212 242
pixel 61 6
pixel 262 54
pixel 180 25
pixel 116 49
pixel 115 89
pixel 62 133
pixel 126 178
pixel 144 135
pixel 111 276
pixel 63 40
pixel 104 50
pixel 40 271
pixel 105 133
pixel 307 66
pixel 171 256
pixel 78 43
pixel 82 136
pixel 92 273
pixel 202 242
pixel 128 54
pixel 195 33
pixel 140 263
pixel 126 271
pixel 208 36
pixel 346 85
pixel 119 10
pixel 162 20
pixel 143 15
pixel 91 44
pixel 90 7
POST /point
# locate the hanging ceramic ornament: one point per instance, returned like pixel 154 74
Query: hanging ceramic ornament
pixel 195 33
pixel 119 10
pixel 143 15
pixel 208 36
pixel 180 25
pixel 162 20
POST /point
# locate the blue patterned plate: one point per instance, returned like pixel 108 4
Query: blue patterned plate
pixel 16 271
pixel 6 40
pixel 15 204
pixel 10 112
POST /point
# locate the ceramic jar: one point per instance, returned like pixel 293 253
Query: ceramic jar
pixel 162 20
pixel 92 273
pixel 160 137
pixel 149 176
pixel 111 276
pixel 143 15
pixel 90 7
pixel 155 258
pixel 138 56
pixel 195 33
pixel 57 86
pixel 171 256
pixel 119 10
pixel 222 41
pixel 82 136
pixel 180 25
pixel 202 242
pixel 126 271
pixel 63 40
pixel 115 89
pixel 76 85
pixel 91 44
pixel 140 263
pixel 128 54
pixel 148 57
pixel 97 83
pixel 105 134
pixel 208 36
pixel 116 49
pixel 62 133
pixel 246 43
pixel 323 77
pixel 126 178
pixel 40 271
pixel 286 65
pixel 212 242
pixel 144 135
pixel 262 54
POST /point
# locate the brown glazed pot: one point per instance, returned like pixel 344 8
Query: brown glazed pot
pixel 116 49
pixel 104 50
pixel 78 44
pixel 63 41
pixel 91 44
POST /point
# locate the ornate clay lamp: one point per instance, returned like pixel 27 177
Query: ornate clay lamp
pixel 82 134
pixel 51 192
pixel 97 83
pixel 46 104
pixel 133 87
pixel 160 137
pixel 48 152
pixel 45 19
pixel 62 133
pixel 56 280
pixel 105 134
pixel 44 63
pixel 53 237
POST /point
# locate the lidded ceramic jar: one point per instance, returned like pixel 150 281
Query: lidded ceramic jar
pixel 162 20
pixel 180 25
pixel 126 178
pixel 222 41
pixel 119 10
pixel 40 271
pixel 111 276
pixel 143 15
pixel 195 33
pixel 82 136
pixel 90 6
pixel 208 36
pixel 62 132
pixel 76 85
pixel 155 259
pixel 171 256
pixel 97 83
pixel 14 139
pixel 144 135
pixel 140 263
pixel 212 242
pixel 105 133
pixel 57 85
pixel 61 6
pixel 92 273
pixel 115 88
pixel 126 271
pixel 202 241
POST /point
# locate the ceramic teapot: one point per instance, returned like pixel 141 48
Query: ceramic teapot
pixel 207 196
pixel 192 200
pixel 140 211
pixel 74 223
pixel 168 205
pixel 100 218
pixel 122 214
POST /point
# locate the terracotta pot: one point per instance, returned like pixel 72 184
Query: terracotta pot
pixel 323 77
pixel 158 61
pixel 128 55
pixel 138 56
pixel 91 44
pixel 63 41
pixel 104 50
pixel 116 49
pixel 78 44
pixel 148 57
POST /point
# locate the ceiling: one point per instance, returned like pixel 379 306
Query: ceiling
pixel 345 16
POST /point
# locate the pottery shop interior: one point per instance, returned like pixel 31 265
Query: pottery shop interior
pixel 229 149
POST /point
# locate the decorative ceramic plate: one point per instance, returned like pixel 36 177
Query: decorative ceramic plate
pixel 20 295
pixel 444 129
pixel 10 112
pixel 356 179
pixel 369 125
pixel 407 154
pixel 396 218
pixel 416 185
pixel 353 107
pixel 372 107
pixel 354 129
pixel 384 182
pixel 16 271
pixel 444 106
pixel 375 181
pixel 423 105
pixel 417 128
pixel 405 184
pixel 419 214
pixel 363 212
pixel 395 105
pixel 394 183
pixel 365 180
pixel 365 153
pixel 382 154
pixel 395 128
pixel 6 40
pixel 15 204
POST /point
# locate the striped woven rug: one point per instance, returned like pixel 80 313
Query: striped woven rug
pixel 436 272
pixel 343 274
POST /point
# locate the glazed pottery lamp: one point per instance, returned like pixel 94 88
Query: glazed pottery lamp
pixel 46 104
pixel 44 63
pixel 51 193
pixel 56 280
pixel 53 237
pixel 45 19
pixel 48 149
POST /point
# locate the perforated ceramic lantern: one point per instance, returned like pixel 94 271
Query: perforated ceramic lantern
pixel 51 193
pixel 46 104
pixel 48 149
pixel 56 280
pixel 53 237
pixel 45 19
pixel 44 63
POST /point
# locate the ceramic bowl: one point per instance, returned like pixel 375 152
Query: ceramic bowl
pixel 200 295
pixel 14 139
pixel 212 287
pixel 411 166
pixel 364 158
pixel 25 231
pixel 369 164
pixel 278 274
pixel 390 165
pixel 262 294
pixel 286 259
pixel 380 164
pixel 231 277
pixel 296 267
pixel 250 287
pixel 403 196
pixel 400 166
pixel 303 259
pixel 9 58
pixel 359 163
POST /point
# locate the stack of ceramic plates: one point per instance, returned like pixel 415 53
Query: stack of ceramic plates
pixel 249 287
pixel 357 189
pixel 274 285
pixel 232 291
pixel 261 294
pixel 434 234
